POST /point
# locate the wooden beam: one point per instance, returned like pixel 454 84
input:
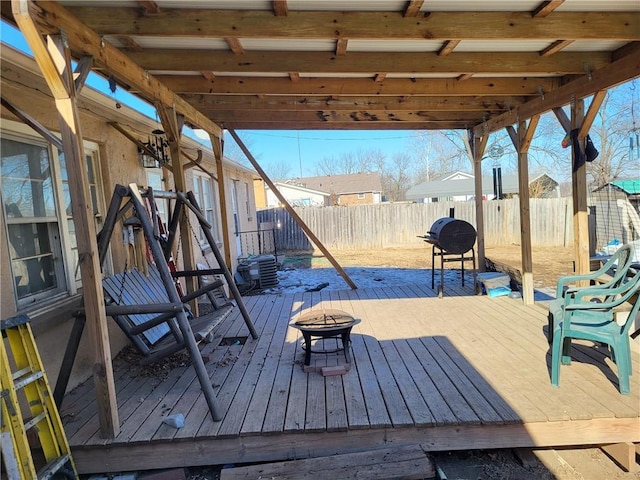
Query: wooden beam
pixel 54 61
pixel 470 25
pixel 83 68
pixel 617 72
pixel 488 104
pixel 52 17
pixel 33 123
pixel 413 8
pixel 448 47
pixel 280 8
pixel 350 125
pixel 341 46
pixel 238 85
pixel 294 76
pixel 590 116
pixel 546 8
pixel 149 8
pixel 291 211
pixel 498 63
pixel 129 43
pixel 172 122
pixel 563 118
pixel 624 454
pixel 379 78
pixel 478 144
pixel 218 153
pixel 464 76
pixel 524 135
pixel 208 75
pixel 579 190
pixel 555 47
pixel 234 45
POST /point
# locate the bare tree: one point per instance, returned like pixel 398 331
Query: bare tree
pixel 396 176
pixel 613 127
pixel 278 170
pixel 438 153
pixel 360 161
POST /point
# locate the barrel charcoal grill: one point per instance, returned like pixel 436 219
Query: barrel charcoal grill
pixel 452 240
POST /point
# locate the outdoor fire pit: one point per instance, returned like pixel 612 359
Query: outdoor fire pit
pixel 326 323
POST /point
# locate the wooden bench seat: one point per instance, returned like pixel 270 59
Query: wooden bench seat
pixel 141 307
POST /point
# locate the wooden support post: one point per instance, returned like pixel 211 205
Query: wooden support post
pixel 172 123
pixel 218 153
pixel 478 145
pixel 624 454
pixel 54 61
pixel 523 138
pixel 579 190
pixel 291 211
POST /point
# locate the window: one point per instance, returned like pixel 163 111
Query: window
pixel 90 158
pixel 361 196
pixel 38 220
pixel 156 181
pixel 203 190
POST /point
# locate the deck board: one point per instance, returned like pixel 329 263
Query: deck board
pixel 462 371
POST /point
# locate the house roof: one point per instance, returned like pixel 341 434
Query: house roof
pixel 300 188
pixel 344 184
pixel 464 186
pixel 344 64
pixel 630 187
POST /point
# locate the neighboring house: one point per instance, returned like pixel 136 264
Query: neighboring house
pixel 38 253
pixel 296 195
pixel 351 189
pixel 460 186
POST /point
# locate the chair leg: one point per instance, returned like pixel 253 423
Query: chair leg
pixel 566 351
pixel 556 353
pixel 550 328
pixel 623 363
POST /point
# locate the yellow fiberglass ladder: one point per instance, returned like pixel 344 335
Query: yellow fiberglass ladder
pixel 27 385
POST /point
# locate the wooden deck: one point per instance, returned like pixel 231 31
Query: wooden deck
pixel 455 373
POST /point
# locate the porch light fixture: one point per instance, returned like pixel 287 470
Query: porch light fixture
pixel 154 154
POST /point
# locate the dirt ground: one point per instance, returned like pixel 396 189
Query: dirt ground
pixel 549 263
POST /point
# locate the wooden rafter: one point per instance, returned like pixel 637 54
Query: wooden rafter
pixel 361 86
pixel 565 63
pixel 280 8
pixel 129 43
pixel 208 75
pixel 555 47
pixel 359 25
pixel 413 8
pixel 294 76
pixel 33 123
pixel 234 45
pixel 617 72
pixel 341 46
pixel 379 78
pixel 546 8
pixel 448 47
pixel 52 17
pixel 149 8
pixel 209 103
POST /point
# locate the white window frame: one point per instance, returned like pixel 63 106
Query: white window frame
pixel 205 192
pixel 66 267
pixel 362 196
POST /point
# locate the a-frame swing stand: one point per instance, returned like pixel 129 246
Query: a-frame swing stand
pixel 175 311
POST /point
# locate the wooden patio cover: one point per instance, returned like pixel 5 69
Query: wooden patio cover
pixel 342 64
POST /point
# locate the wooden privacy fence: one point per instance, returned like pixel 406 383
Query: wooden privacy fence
pixel 399 224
